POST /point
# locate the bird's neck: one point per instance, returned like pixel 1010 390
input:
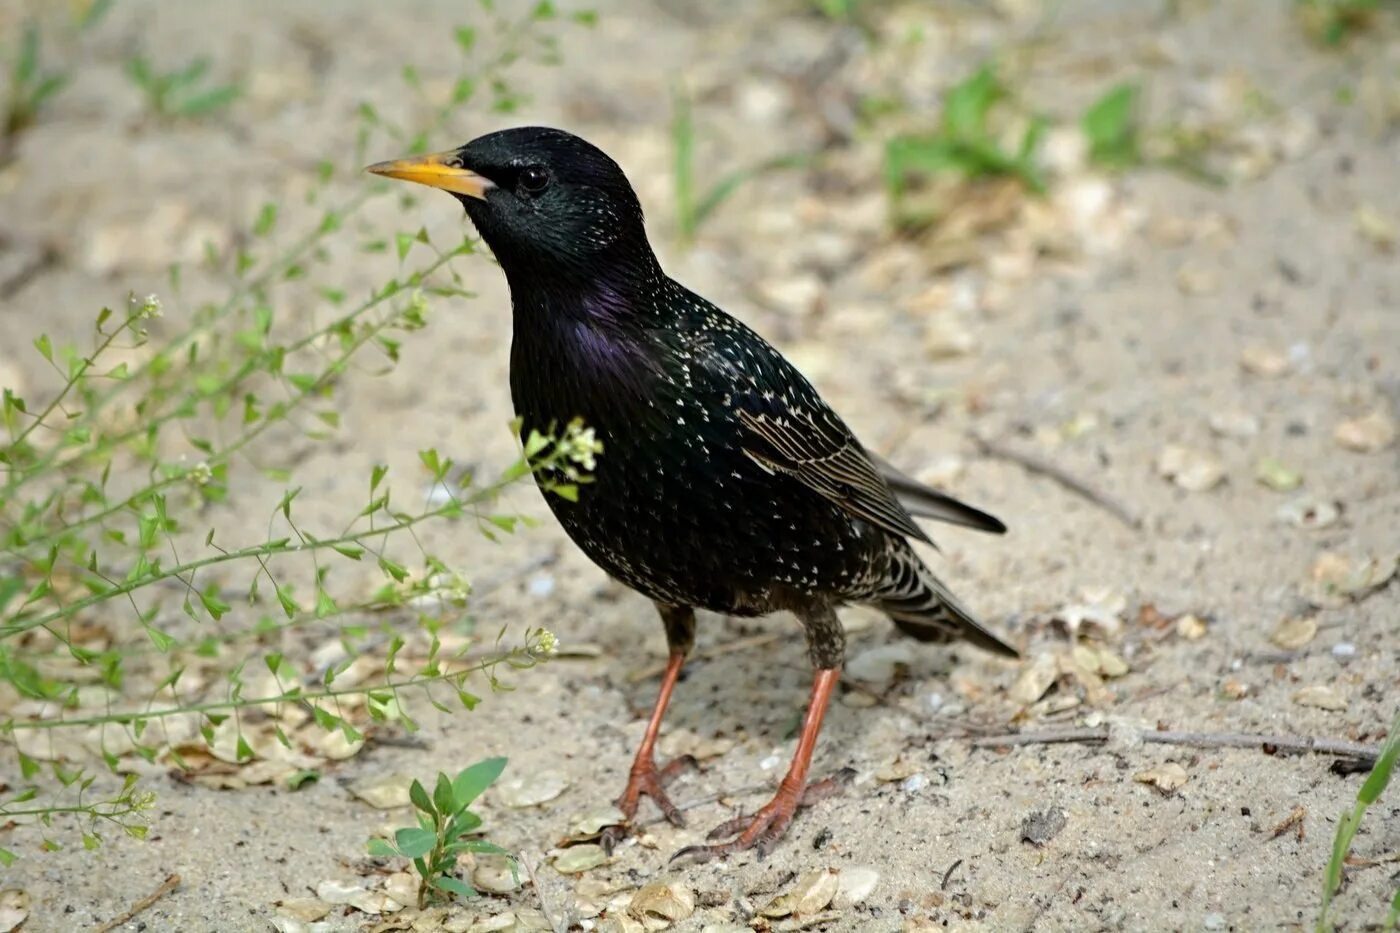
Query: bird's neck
pixel 582 344
pixel 610 291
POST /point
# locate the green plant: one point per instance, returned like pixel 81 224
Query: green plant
pixel 30 88
pixel 125 610
pixel 964 143
pixel 182 93
pixel 440 836
pixel 1375 785
pixel 839 10
pixel 1333 22
pixel 691 210
pixel 1111 127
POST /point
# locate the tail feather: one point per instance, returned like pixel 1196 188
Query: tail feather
pixel 926 502
pixel 922 607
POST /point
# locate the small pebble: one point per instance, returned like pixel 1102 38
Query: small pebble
pixel 914 783
pixel 1234 423
pixel 531 790
pixel 542 585
pixel 769 763
pixel 1190 468
pixel 855 885
pixel 1309 513
pixel 1343 650
pixel 1367 434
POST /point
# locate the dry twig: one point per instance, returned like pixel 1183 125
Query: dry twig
pixel 559 925
pixel 169 884
pixel 1270 744
pixel 1037 464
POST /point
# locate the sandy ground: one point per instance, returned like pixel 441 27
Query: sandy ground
pixel 1165 307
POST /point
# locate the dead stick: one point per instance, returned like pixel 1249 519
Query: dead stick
pixel 557 926
pixel 1284 743
pixel 1037 464
pixel 1049 737
pixel 169 884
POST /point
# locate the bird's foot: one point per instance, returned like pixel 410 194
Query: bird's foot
pixel 764 829
pixel 647 780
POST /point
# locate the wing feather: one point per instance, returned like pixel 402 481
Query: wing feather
pixel 826 457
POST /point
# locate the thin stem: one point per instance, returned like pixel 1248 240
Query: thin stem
pixel 291 696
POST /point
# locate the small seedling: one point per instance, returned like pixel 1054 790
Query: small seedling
pixel 692 211
pixel 964 143
pixel 1111 127
pixel 1350 822
pixel 444 823
pixel 838 10
pixel 1333 22
pixel 30 87
pixel 182 93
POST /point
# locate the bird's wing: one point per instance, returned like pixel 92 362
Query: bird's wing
pixel 924 502
pixel 822 453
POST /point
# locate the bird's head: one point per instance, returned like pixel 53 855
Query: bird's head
pixel 547 202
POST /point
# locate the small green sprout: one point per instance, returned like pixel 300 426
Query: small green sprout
pixel 182 93
pixel 1111 127
pixel 692 209
pixel 30 88
pixel 964 143
pixel 1350 822
pixel 444 823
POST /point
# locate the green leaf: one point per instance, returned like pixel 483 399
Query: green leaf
pixel 44 346
pixel 1110 126
pixel 382 849
pixel 967 105
pixel 7 858
pixel 215 606
pixel 347 550
pixel 397 571
pixel 453 885
pixel 414 842
pixel 472 781
pixel 442 795
pixel 482 846
pixel 302 778
pixel 420 799
pixel 463 823
pixel 162 641
pixel 289 605
pixel 267 219
pixel 243 750
pixel 207 102
pixel 376 475
pixel 1384 767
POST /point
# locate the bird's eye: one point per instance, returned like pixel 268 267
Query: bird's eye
pixel 534 178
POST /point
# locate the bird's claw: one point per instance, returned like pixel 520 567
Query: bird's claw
pixel 647 780
pixel 762 831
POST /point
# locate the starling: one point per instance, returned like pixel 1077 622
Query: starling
pixel 726 483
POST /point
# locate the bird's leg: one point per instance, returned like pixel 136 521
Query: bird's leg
pixel 826 644
pixel 645 777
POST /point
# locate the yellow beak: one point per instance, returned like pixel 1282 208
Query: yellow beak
pixel 439 170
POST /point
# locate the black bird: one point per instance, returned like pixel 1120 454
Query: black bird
pixel 725 482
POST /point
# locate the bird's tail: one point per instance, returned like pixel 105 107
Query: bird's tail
pixel 923 608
